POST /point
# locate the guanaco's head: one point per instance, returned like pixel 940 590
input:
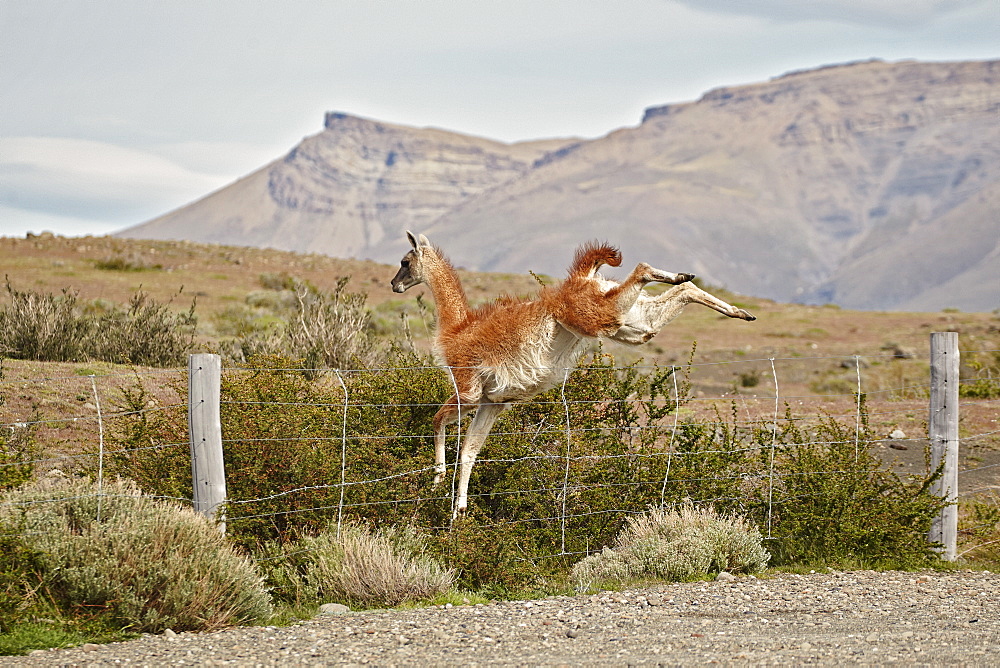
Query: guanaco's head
pixel 411 266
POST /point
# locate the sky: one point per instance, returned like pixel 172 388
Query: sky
pixel 116 111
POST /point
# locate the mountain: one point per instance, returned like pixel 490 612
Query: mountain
pixel 345 190
pixel 871 185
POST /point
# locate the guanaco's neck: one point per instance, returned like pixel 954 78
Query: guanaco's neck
pixel 449 298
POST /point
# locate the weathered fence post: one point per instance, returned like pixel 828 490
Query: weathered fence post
pixel 208 471
pixel 943 433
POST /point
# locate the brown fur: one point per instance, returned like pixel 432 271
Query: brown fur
pixel 512 349
pixel 578 303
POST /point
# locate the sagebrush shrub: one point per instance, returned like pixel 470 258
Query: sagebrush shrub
pixel 146 333
pixel 145 563
pixel 42 326
pixel 372 568
pixel 323 329
pixel 680 544
pixel 357 566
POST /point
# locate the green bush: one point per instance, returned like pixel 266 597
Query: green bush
pixel 133 262
pixel 981 374
pixel 19 568
pixel 681 544
pixel 17 452
pixel 502 559
pixel 835 503
pixel 536 501
pixel 284 439
pixel 142 562
pixel 979 530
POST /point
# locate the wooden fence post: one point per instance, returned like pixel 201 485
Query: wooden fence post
pixel 943 433
pixel 208 471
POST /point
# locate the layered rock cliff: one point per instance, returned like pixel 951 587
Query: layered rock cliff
pixel 871 185
pixel 349 188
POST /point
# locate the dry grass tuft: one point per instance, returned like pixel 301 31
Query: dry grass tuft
pixel 373 569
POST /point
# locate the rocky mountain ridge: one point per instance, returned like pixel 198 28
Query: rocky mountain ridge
pixel 871 185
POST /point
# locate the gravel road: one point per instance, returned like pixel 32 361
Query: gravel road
pixel 859 617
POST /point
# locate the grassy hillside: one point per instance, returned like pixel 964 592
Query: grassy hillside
pixel 221 277
pixel 812 345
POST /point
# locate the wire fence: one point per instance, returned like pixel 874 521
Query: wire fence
pixel 86 423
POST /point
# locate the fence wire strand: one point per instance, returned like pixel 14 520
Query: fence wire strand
pixel 561 492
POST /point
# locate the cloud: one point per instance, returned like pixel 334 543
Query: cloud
pixel 84 179
pixel 883 13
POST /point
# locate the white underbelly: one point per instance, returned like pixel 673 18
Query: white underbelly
pixel 539 364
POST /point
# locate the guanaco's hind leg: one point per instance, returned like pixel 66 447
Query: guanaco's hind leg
pixel 592 306
pixel 464 402
pixel 650 314
pixel 628 291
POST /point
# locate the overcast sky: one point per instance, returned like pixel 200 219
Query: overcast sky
pixel 115 111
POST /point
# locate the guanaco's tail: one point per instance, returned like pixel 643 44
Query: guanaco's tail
pixel 590 256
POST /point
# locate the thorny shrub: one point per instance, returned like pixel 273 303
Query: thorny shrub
pixel 981 375
pixel 979 529
pixel 19 567
pixel 18 449
pixel 835 503
pixel 284 440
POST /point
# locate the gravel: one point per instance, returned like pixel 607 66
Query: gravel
pixel 858 617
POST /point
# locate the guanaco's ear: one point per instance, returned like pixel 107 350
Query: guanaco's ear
pixel 417 241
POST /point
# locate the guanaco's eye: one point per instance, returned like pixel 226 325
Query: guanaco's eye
pixel 404 264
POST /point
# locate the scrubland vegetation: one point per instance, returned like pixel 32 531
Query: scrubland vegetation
pixel 637 501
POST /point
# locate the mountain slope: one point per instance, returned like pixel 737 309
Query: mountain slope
pixel 871 185
pixel 344 190
pixel 841 185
